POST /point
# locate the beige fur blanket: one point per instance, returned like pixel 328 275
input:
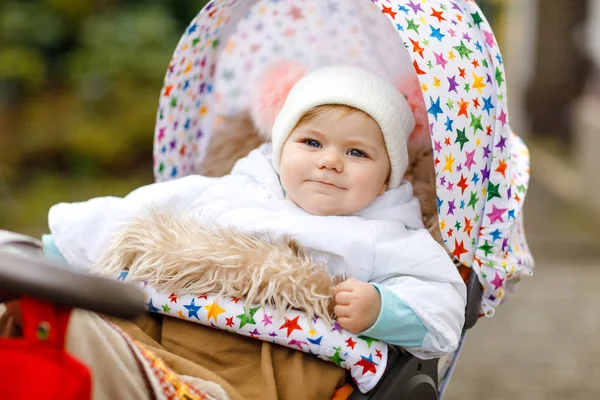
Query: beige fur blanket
pixel 174 253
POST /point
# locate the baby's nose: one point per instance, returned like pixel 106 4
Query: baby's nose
pixel 331 160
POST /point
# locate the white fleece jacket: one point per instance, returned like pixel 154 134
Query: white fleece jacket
pixel 385 243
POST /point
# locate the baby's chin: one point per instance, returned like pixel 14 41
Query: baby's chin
pixel 325 208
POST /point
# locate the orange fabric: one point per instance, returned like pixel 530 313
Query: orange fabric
pixel 464 272
pixel 343 393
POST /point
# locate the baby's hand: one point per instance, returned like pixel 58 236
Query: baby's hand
pixel 357 305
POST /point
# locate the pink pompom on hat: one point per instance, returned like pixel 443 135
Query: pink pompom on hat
pixel 286 91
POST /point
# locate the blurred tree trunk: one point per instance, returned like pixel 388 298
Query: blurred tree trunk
pixel 561 68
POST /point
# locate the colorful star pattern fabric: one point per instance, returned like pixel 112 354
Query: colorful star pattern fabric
pixel 364 357
pixel 482 167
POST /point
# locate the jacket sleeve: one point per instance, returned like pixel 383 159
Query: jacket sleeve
pixel 419 283
pixel 81 230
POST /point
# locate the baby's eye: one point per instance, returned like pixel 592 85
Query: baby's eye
pixel 312 143
pixel 357 153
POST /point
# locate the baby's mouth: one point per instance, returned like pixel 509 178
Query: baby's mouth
pixel 327 184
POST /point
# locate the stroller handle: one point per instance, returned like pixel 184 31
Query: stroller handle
pixel 24 271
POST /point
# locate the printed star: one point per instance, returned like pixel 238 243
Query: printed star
pixel 417 48
pixel 486 248
pixel 493 191
pixel 418 70
pixel 367 364
pixel 411 25
pixel 487 104
pixel 166 308
pixel 439 202
pixel 463 108
pixel 378 354
pixel 502 117
pixel 291 325
pixel 473 200
pixel 229 321
pixel 316 341
pixel 496 235
pixel 477 20
pixel 462 72
pixel 451 55
pixel 453 84
pixel 351 343
pixel 449 162
pixel 437 14
pixel 459 249
pixel 463 50
pixel 168 89
pixel 478 82
pixel 415 7
pixel 496 214
pixel 467 87
pixel 296 13
pixel 502 168
pixel 461 138
pixel 462 184
pixel 180 314
pixel 297 343
pixel 476 123
pixel 468 226
pixel 173 298
pixel 511 214
pixel 367 339
pixel 451 207
pixel 336 359
pixel 448 125
pixel 436 33
pixel 497 281
pixel 436 82
pixel 247 317
pixel 435 108
pixel 151 307
pixel 499 77
pixel 476 103
pixel 214 311
pixel 193 309
pixel 470 159
pixel 489 38
pixel 267 319
pixel 122 275
pixel 389 11
pixel 254 333
pixel 439 60
pixel 485 173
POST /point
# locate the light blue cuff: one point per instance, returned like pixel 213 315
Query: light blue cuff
pixel 50 249
pixel 397 323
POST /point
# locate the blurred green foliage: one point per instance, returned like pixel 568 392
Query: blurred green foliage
pixel 79 87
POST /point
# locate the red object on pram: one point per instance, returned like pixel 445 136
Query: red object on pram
pixel 36 365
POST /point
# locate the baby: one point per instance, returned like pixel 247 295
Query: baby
pixel 332 179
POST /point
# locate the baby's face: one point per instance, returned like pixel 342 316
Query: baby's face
pixel 335 164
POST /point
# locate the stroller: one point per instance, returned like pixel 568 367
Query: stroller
pixel 481 167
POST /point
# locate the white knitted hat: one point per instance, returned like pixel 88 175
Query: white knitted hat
pixel 356 88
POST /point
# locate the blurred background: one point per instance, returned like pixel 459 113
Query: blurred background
pixel 79 86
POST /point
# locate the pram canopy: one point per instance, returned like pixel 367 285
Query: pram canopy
pixel 481 166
